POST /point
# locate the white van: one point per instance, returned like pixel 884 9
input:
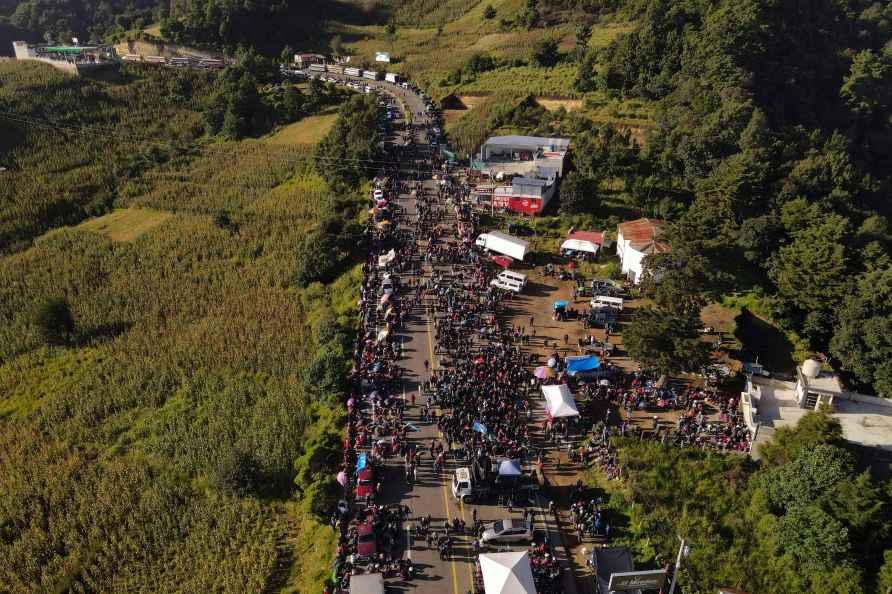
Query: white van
pixel 506 285
pixel 605 301
pixel 513 277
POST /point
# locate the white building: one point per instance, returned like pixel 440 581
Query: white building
pixel 382 57
pixel 634 241
pixel 769 404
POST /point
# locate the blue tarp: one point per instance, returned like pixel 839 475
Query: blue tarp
pixel 586 363
pixel 479 427
pixel 561 304
pixel 361 462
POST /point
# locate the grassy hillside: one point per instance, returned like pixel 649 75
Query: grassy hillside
pixel 58 173
pixel 155 449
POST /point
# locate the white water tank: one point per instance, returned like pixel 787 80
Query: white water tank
pixel 811 368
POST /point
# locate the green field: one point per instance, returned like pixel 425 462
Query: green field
pixel 309 130
pixel 125 224
pixel 156 446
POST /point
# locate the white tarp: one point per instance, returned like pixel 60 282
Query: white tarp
pixel 367 583
pixel 510 468
pixel 507 573
pixel 386 258
pixel 580 245
pixel 560 401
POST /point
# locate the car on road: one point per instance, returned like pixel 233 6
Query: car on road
pixel 366 541
pixel 387 285
pixel 507 531
pixel 365 485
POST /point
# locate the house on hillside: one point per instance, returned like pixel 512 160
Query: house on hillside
pixel 635 240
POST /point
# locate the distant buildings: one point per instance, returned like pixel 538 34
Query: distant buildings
pixel 303 61
pixel 533 164
pixel 635 240
pixel 382 57
pixel 70 58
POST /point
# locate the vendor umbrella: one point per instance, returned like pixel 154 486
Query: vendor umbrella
pixel 502 261
pixel 479 427
pixel 552 362
pixel 543 372
pixel 384 298
pixel 342 478
pixel 560 304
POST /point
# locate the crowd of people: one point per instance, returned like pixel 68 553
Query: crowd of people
pixel 478 384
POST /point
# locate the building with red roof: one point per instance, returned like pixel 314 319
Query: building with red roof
pixel 637 239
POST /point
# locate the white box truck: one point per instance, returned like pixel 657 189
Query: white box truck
pixel 495 241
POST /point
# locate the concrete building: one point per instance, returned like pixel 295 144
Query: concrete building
pixel 769 403
pixel 525 152
pixel 73 59
pixel 534 163
pixel 303 61
pixel 634 241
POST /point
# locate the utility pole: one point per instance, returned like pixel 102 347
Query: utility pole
pixel 683 551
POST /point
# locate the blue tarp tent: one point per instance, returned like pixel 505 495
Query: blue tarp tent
pixel 560 304
pixel 584 363
pixel 361 461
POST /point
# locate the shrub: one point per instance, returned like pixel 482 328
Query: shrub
pixel 54 322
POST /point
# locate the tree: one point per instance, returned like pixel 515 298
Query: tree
pixel 810 272
pixel 54 322
pixel 316 258
pixel 812 430
pixel 545 54
pixel 862 340
pixel 222 220
pixel 337 45
pixel 582 35
pixel 237 472
pixel 586 75
pixel 390 28
pixel 867 89
pixel 578 194
pixel 530 15
pixel 489 12
pixel 660 340
pixel 286 56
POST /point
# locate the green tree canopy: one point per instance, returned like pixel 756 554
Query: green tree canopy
pixel 54 322
pixel 656 338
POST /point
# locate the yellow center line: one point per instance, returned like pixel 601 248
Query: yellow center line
pixel 452 560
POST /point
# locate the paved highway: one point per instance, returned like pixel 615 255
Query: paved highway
pixel 430 494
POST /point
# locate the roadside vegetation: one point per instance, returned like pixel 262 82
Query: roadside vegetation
pixel 806 519
pixel 172 373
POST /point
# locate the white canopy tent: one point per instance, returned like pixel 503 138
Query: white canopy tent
pixel 580 245
pixel 386 259
pixel 560 401
pixel 367 583
pixel 507 573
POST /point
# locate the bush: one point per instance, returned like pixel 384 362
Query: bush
pixel 489 12
pixel 237 473
pixel 54 322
